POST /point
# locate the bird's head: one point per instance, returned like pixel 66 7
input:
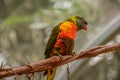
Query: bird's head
pixel 79 21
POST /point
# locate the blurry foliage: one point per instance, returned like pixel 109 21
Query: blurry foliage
pixel 17 20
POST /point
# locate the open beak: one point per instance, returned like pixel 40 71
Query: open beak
pixel 85 27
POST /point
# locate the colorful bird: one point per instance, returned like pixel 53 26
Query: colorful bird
pixel 61 41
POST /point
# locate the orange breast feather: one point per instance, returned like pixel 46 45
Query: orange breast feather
pixel 68 30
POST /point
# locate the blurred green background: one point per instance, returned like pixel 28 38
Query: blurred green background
pixel 25 26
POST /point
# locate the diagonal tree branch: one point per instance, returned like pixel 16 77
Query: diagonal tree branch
pixel 56 61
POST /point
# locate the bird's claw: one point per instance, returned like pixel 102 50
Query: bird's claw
pixel 73 54
pixel 61 58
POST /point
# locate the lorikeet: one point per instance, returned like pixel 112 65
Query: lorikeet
pixel 61 41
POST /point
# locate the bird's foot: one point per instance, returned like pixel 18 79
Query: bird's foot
pixel 73 54
pixel 60 57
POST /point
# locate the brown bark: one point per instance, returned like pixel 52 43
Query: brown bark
pixel 56 61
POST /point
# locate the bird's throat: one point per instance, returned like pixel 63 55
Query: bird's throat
pixel 68 30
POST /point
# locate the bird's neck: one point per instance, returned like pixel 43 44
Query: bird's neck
pixel 68 30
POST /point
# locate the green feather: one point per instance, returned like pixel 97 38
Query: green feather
pixel 52 40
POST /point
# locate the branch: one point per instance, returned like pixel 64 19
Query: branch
pixel 56 61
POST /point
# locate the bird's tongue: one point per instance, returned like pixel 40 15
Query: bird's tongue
pixel 85 27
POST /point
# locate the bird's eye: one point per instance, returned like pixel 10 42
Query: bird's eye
pixel 86 23
pixel 83 21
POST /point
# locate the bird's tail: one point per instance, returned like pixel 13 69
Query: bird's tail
pixel 51 74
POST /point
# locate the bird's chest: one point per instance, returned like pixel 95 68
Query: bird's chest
pixel 68 30
pixel 63 46
pixel 67 34
pixel 65 40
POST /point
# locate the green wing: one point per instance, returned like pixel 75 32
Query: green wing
pixel 51 41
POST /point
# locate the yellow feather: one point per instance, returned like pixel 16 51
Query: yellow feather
pixel 65 26
pixel 51 74
pixel 74 19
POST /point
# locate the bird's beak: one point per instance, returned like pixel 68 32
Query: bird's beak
pixel 85 27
